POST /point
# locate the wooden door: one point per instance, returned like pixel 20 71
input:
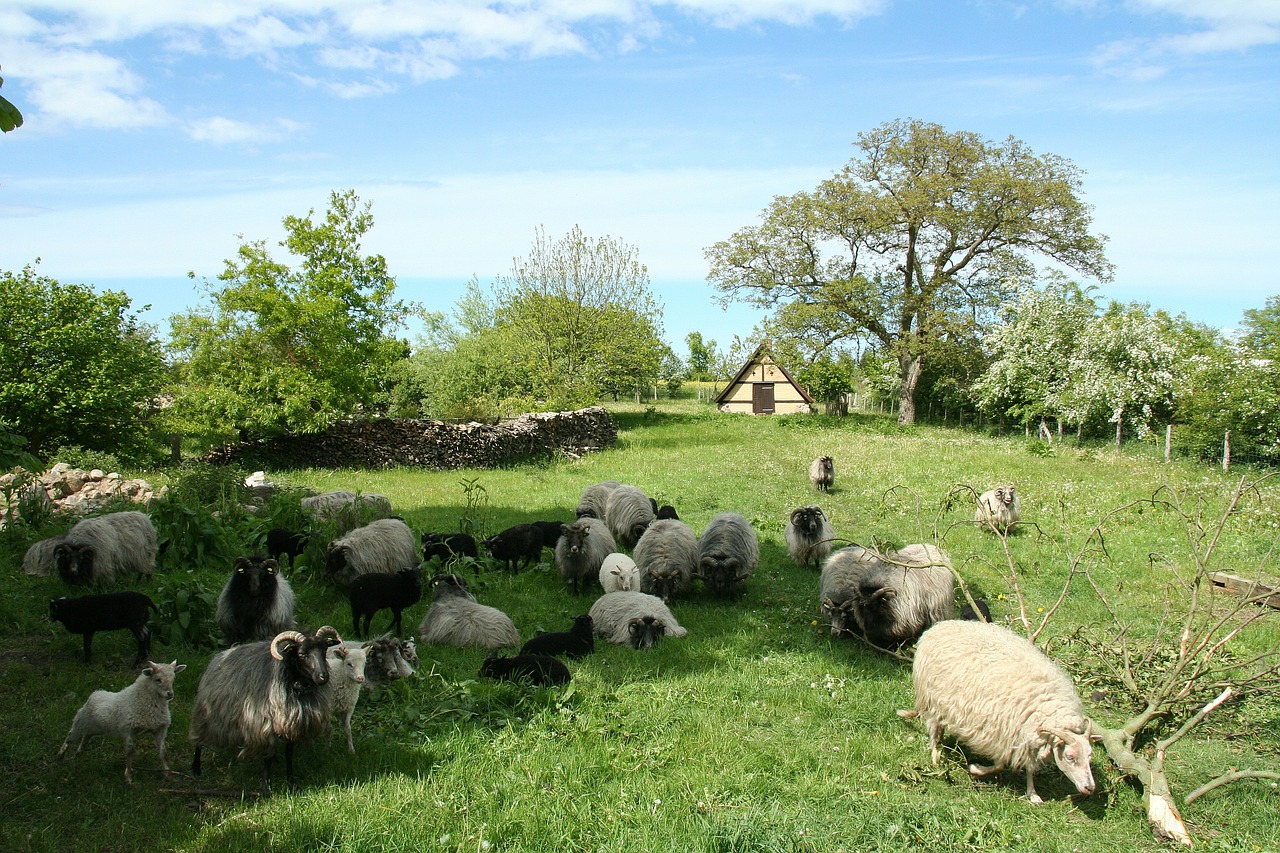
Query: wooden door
pixel 762 398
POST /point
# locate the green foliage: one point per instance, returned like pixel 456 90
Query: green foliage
pixel 290 348
pixel 185 617
pixel 76 367
pixel 86 459
pixel 475 518
pixel 10 116
pixel 201 518
pixel 13 452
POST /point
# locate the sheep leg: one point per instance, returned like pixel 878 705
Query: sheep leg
pixel 160 735
pixel 1032 796
pixel 346 725
pixel 266 775
pixel 195 762
pixel 128 758
pixel 288 766
pixel 143 635
pixel 985 769
pixel 88 646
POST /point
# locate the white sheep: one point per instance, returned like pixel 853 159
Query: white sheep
pixel 386 546
pixel 96 550
pixel 634 619
pixel 346 670
pixel 667 556
pixel 143 706
pixel 1000 696
pixel 808 535
pixel 628 513
pixel 455 618
pixel 619 573
pixel 998 509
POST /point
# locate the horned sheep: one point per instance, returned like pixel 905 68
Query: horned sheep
pixel 728 553
pixel 628 514
pixel 96 550
pixel 386 545
pixel 667 556
pixel 1001 697
pixel 582 550
pixel 455 618
pixel 634 619
pixel 998 509
pixel 808 535
pixel 38 561
pixel 256 603
pixel 822 473
pixel 619 573
pixel 888 600
pixel 141 707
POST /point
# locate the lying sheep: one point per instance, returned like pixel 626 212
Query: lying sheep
pixel 728 553
pixel 386 545
pixel 387 658
pixel 256 603
pixel 521 542
pixel 143 706
pixel 375 591
pixel 255 696
pixel 619 573
pixel 628 513
pixel 346 671
pixel 666 557
pixel 108 611
pixel 582 550
pixel 822 473
pixel 887 600
pixel 634 619
pixel 540 670
pixel 38 560
pixel 577 642
pixel 998 509
pixel 456 619
pixel 346 509
pixel 97 550
pixel 1001 697
pixel 595 498
pixel 808 535
pixel 448 547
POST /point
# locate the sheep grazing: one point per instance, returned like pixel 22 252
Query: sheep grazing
pixel 666 557
pixel 255 696
pixel 374 591
pixel 387 658
pixel 550 531
pixel 96 550
pixel 594 499
pixel 386 545
pixel 1000 697
pixel 808 535
pixel 634 619
pixel 448 547
pixel 728 554
pixel 256 603
pixel 822 473
pixel 667 512
pixel 577 642
pixel 887 600
pixel 346 509
pixel 346 671
pixel 511 546
pixel 283 543
pixel 456 619
pixel 141 707
pixel 628 514
pixel 619 573
pixel 998 509
pixel 582 550
pixel 540 670
pixel 108 611
pixel 38 561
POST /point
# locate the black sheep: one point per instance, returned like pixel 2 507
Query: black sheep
pixel 550 531
pixel 521 542
pixel 542 670
pixel 577 641
pixel 281 542
pixel 256 603
pixel 666 512
pixel 108 611
pixel 448 547
pixel 373 591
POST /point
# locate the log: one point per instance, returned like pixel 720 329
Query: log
pixel 1247 588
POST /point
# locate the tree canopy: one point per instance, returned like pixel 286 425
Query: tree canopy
pixel 917 239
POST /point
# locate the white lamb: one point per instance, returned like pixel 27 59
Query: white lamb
pixel 143 706
pixel 346 671
pixel 619 573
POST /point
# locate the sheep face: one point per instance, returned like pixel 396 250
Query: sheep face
pixel 160 677
pixel 721 573
pixel 305 658
pixel 337 562
pixel 75 563
pixel 840 615
pixel 644 631
pixel 1073 754
pixel 808 519
pixel 257 574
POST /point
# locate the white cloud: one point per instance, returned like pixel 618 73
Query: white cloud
pixel 76 87
pixel 226 131
pixel 1220 26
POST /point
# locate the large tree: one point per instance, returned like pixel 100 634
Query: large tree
pixel 922 233
pixel 291 348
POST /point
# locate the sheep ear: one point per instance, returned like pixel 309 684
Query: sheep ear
pixel 178 667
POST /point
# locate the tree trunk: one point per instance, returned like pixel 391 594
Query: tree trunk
pixel 909 372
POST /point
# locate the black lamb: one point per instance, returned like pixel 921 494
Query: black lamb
pixel 511 546
pixel 667 512
pixel 448 547
pixel 108 611
pixel 542 670
pixel 578 641
pixel 550 531
pixel 374 591
pixel 282 542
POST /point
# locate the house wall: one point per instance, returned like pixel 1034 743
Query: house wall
pixel 787 399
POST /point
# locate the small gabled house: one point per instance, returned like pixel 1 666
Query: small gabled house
pixel 764 387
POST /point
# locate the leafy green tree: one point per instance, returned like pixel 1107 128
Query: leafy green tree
pixel 702 357
pixel 1261 330
pixel 291 348
pixel 923 232
pixel 829 379
pixel 77 368
pixel 672 372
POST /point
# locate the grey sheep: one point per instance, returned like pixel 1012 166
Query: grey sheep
pixel 581 551
pixel 346 671
pixel 256 603
pixel 1001 697
pixel 141 707
pixel 888 600
pixel 628 514
pixel 387 658
pixel 808 535
pixel 998 509
pixel 728 553
pixel 97 550
pixel 255 696
pixel 594 498
pixel 386 545
pixel 38 559
pixel 634 619
pixel 456 619
pixel 666 557
pixel 346 509
pixel 619 573
pixel 822 473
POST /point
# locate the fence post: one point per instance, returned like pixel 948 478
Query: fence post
pixel 1168 442
pixel 1226 451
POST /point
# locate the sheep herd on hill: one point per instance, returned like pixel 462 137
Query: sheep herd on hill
pixel 276 687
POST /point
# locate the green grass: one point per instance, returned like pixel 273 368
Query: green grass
pixel 757 732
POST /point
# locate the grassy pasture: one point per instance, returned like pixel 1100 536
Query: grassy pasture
pixel 757 732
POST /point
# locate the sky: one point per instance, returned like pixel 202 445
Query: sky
pixel 158 135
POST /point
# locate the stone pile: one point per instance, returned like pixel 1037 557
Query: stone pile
pixel 63 488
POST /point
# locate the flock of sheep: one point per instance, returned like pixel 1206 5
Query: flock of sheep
pixel 274 686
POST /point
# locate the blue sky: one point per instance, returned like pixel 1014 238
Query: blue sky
pixel 156 132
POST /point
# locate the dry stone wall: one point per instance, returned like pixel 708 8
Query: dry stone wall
pixel 63 488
